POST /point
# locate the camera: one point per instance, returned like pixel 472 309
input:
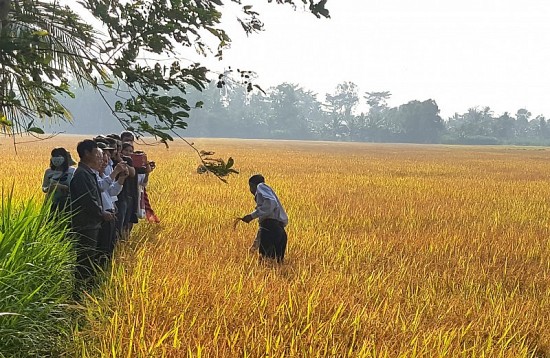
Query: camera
pixel 139 159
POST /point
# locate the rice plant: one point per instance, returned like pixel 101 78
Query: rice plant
pixel 36 279
pixel 394 251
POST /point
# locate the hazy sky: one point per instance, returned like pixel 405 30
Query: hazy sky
pixel 461 53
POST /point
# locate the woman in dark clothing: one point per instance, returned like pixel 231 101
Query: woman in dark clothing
pixel 127 199
pixel 57 179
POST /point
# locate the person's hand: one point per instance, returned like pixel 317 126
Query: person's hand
pixel 124 174
pixel 58 187
pixel 236 222
pixel 107 216
pixel 120 167
pixel 247 218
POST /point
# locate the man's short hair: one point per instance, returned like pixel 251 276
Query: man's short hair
pixel 256 179
pixel 125 134
pixel 87 145
pixel 127 145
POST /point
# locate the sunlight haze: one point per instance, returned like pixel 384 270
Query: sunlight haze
pixel 461 54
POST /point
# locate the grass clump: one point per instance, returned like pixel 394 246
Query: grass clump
pixel 36 279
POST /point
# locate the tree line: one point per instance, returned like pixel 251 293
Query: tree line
pixel 288 111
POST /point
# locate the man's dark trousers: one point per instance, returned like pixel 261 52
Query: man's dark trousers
pixel 273 239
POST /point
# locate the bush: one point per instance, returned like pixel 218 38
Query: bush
pixel 36 279
pixel 470 140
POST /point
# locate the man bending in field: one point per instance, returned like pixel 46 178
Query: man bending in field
pixel 271 238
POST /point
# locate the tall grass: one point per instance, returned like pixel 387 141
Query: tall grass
pixel 36 279
pixel 394 251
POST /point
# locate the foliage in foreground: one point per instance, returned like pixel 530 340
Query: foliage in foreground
pixel 36 279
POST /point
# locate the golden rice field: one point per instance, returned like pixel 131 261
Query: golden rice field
pixel 394 251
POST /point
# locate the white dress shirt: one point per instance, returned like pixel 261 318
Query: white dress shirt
pixel 268 205
pixel 108 188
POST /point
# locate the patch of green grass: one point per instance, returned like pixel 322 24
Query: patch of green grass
pixel 36 279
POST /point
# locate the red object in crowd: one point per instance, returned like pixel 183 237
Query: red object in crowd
pixel 149 213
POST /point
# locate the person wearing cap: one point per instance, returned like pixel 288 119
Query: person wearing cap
pixel 271 238
pixel 110 147
pixel 110 186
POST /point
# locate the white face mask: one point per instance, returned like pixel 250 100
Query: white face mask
pixel 57 161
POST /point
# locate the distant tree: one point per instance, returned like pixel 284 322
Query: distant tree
pixel 376 119
pixel 522 123
pixel 475 122
pixel 504 127
pixel 421 122
pixel 543 128
pixel 340 106
pixel 44 44
pixel 286 118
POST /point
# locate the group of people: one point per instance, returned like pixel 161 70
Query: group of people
pixel 105 195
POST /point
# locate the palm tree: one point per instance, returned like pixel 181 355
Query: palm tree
pixel 41 44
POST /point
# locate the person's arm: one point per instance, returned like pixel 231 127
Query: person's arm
pixel 266 204
pixel 142 170
pixel 114 189
pixel 143 179
pixel 119 168
pixel 46 182
pixel 131 169
pixel 267 207
pixel 104 183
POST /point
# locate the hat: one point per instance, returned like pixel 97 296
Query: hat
pixel 102 143
pixel 104 146
pixel 111 142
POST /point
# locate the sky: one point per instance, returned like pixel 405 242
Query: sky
pixel 461 54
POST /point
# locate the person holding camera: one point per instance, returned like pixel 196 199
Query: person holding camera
pixel 124 198
pixel 144 167
pixel 110 186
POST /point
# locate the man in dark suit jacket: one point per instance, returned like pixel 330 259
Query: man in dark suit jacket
pixel 87 209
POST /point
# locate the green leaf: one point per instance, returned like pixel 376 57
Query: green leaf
pixel 41 33
pixel 4 121
pixel 35 130
pixel 230 163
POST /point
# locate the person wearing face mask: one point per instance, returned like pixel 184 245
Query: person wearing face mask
pixel 57 179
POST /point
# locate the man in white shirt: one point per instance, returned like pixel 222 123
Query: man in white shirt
pixel 109 186
pixel 271 238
